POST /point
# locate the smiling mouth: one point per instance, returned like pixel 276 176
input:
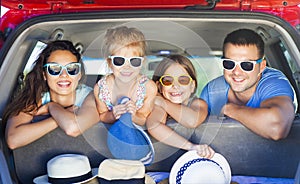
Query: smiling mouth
pixel 64 83
pixel 239 80
pixel 175 94
pixel 126 73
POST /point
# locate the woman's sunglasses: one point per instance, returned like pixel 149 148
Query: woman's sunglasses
pixel 168 80
pixel 120 61
pixel 55 69
pixel 247 66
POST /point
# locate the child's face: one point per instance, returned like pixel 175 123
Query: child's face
pixel 178 93
pixel 127 72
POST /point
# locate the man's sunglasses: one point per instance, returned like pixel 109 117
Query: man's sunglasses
pixel 120 61
pixel 168 80
pixel 56 69
pixel 247 66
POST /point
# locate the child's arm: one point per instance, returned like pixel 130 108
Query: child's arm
pixel 190 117
pixel 105 115
pixel 156 125
pixel 140 116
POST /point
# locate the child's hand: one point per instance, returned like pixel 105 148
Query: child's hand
pixel 118 110
pixel 159 101
pixel 131 107
pixel 203 150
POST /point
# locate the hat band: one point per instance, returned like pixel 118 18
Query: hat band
pixel 74 179
pixel 188 164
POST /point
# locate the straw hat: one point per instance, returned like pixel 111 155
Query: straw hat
pixel 67 168
pixel 191 168
pixel 123 171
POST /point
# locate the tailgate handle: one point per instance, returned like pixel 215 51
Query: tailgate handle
pixel 211 4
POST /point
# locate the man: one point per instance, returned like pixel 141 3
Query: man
pixel 259 97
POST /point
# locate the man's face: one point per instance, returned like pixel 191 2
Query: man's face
pixel 242 81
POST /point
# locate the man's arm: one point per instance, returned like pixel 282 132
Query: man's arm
pixel 272 120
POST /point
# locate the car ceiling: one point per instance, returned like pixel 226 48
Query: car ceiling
pixel 179 36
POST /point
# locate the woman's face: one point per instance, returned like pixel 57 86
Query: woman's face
pixel 62 83
pixel 176 92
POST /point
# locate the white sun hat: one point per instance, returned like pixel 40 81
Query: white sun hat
pixel 123 172
pixel 68 168
pixel 190 168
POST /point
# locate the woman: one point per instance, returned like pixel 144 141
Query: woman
pixel 51 88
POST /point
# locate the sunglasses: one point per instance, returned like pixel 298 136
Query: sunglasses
pixel 168 80
pixel 247 66
pixel 55 69
pixel 120 60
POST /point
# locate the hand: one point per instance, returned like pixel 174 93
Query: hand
pixel 118 110
pixel 159 101
pixel 43 110
pixel 73 108
pixel 203 150
pixel 131 107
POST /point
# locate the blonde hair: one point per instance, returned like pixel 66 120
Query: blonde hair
pixel 120 37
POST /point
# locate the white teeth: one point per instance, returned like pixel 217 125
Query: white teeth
pixel 238 80
pixel 64 83
pixel 175 94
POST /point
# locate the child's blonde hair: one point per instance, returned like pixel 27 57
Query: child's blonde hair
pixel 120 37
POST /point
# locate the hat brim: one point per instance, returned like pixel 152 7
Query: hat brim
pixel 191 155
pixel 148 159
pixel 44 178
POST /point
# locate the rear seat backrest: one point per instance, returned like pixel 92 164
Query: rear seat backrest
pixel 31 160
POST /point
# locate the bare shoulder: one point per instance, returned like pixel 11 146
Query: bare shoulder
pixel 198 103
pixel 151 87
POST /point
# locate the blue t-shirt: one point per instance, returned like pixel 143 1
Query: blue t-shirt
pixel 272 83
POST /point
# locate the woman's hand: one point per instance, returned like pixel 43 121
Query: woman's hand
pixel 43 110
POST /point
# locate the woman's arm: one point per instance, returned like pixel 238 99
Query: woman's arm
pixel 190 117
pixel 75 121
pixel 20 130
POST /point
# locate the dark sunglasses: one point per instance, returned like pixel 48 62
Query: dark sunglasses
pixel 120 60
pixel 56 69
pixel 168 80
pixel 246 66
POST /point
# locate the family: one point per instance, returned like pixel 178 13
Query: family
pixel 248 91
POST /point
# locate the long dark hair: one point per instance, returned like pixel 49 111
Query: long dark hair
pixel 34 85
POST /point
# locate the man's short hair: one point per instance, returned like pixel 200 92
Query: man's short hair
pixel 244 37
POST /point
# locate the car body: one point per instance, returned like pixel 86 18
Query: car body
pixel 188 28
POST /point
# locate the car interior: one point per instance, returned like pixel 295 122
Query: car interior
pixel 197 35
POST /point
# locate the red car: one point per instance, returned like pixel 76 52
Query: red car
pixel 192 28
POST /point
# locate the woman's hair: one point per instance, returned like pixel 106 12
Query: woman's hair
pixel 172 59
pixel 34 85
pixel 120 37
